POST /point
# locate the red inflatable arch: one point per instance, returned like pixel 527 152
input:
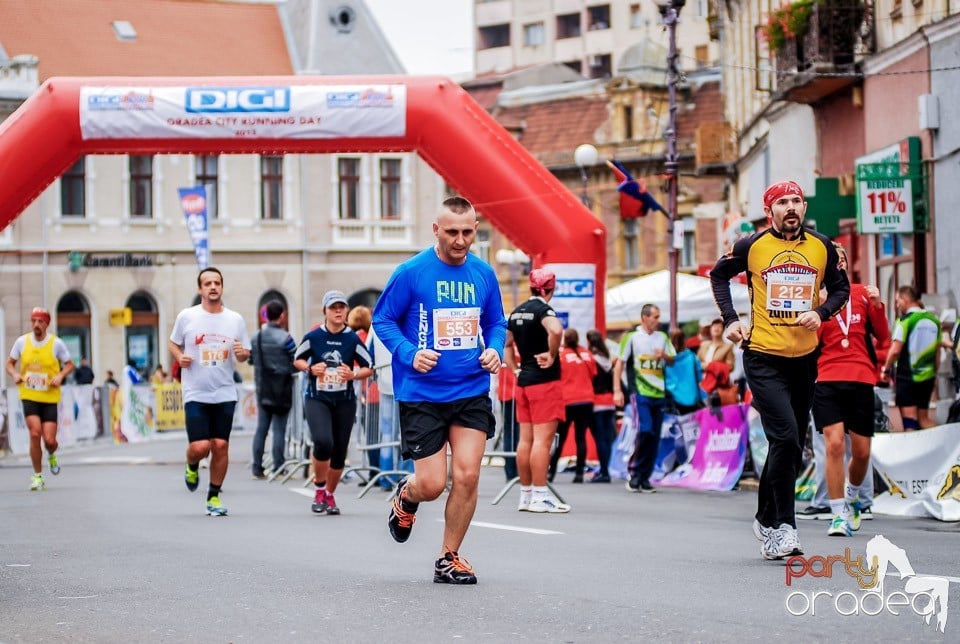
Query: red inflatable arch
pixel 70 117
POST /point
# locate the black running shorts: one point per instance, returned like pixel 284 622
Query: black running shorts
pixel 425 426
pixel 46 411
pixel 850 403
pixel 914 394
pixel 209 420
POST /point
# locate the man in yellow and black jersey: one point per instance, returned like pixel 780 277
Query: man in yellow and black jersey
pixel 786 267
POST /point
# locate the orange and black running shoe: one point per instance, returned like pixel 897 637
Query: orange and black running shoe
pixel 451 569
pixel 402 515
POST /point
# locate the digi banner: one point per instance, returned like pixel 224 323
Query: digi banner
pixel 243 112
pixel 194 204
pixel 575 297
pixel 921 472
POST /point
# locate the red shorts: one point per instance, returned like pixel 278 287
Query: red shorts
pixel 541 403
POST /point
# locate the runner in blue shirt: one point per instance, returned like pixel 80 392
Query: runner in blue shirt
pixel 441 317
pixel 328 354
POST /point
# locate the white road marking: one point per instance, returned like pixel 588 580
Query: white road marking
pixel 511 528
pixel 18 565
pixel 80 597
pixel 123 460
pixel 479 524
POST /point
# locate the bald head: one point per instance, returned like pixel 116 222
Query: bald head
pixel 455 230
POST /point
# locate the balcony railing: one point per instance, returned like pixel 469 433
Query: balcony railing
pixel 823 60
pixel 362 233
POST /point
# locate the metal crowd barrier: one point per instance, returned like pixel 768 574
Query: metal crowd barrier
pixel 298 441
pixel 504 440
pixel 377 428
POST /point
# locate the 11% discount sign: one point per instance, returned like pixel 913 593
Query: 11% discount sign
pixel 885 190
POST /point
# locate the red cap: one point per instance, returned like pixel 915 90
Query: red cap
pixel 40 313
pixel 542 280
pixel 781 189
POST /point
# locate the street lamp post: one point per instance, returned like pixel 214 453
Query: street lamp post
pixel 670 10
pixel 585 156
pixel 514 260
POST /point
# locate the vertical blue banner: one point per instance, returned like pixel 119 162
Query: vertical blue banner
pixel 194 204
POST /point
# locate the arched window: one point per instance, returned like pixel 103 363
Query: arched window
pixel 142 347
pixel 367 297
pixel 73 324
pixel 267 297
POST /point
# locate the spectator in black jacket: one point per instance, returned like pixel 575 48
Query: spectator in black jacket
pixel 272 351
pixel 83 375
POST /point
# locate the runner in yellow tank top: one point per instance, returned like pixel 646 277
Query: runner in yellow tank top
pixel 39 363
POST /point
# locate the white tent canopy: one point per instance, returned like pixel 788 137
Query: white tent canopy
pixel 694 298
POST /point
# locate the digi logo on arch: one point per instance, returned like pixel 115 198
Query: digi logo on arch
pixel 574 288
pixel 237 99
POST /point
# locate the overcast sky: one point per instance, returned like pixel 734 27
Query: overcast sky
pixel 429 36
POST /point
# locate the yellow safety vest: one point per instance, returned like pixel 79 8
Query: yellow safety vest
pixel 38 366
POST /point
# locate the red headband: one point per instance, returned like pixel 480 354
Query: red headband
pixel 40 314
pixel 779 190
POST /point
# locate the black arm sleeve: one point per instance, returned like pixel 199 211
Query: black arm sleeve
pixel 727 267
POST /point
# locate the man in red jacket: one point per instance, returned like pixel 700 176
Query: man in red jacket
pixel 843 399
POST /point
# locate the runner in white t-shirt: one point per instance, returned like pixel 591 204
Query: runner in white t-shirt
pixel 207 340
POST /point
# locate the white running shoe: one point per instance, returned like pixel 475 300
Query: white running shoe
pixel 760 531
pixel 524 505
pixel 549 504
pixel 782 542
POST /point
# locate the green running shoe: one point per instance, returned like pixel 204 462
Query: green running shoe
pixel 854 514
pixel 839 527
pixel 215 507
pixel 36 483
pixel 54 464
pixel 192 478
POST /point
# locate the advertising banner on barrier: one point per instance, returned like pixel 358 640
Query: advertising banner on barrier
pixel 85 418
pixel 678 440
pixel 169 397
pixel 136 413
pixel 18 436
pixel 921 471
pixel 245 415
pixel 721 451
pixel 243 112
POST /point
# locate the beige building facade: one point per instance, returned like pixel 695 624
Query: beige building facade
pixel 110 233
pixel 591 37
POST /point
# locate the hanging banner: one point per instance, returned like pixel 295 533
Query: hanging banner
pixel 243 112
pixel 194 204
pixel 921 471
pixel 721 451
pixel 575 296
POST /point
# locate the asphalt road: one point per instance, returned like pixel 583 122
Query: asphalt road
pixel 117 550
